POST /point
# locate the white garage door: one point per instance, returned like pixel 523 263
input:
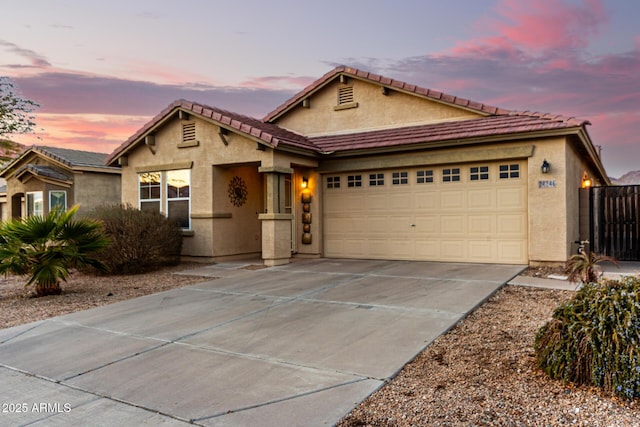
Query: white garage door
pixel 468 213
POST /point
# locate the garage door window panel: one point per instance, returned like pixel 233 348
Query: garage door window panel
pixel 511 171
pixel 479 173
pixel 400 178
pixel 333 182
pixel 354 181
pixel 424 176
pixel 376 179
pixel 451 175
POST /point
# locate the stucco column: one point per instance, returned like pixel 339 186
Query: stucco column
pixel 276 224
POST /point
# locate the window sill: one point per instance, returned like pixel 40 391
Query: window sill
pixel 188 144
pixel 345 106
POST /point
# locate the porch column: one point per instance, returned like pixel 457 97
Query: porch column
pixel 276 223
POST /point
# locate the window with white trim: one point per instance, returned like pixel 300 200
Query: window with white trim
pixel 400 178
pixel 35 203
pixel 424 176
pixel 376 179
pixel 479 173
pixel 167 192
pixel 510 171
pixel 149 188
pixel 451 175
pixel 58 200
pixel 179 197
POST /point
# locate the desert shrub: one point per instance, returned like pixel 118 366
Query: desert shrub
pixel 594 338
pixel 583 267
pixel 141 241
pixel 46 248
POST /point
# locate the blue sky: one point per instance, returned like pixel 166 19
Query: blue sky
pixel 100 70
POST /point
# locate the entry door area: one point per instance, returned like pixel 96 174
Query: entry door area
pixel 462 213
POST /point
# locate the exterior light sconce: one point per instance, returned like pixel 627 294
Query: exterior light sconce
pixel 305 182
pixel 546 167
pixel 586 181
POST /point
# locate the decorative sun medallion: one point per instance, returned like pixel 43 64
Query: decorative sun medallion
pixel 237 191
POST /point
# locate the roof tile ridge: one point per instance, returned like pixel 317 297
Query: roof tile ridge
pixel 573 121
pixel 44 150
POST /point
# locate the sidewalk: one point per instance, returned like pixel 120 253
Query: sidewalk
pixel 610 271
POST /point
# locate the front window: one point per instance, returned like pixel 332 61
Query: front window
pixel 35 203
pixel 178 196
pixel 58 200
pixel 149 186
pixel 174 188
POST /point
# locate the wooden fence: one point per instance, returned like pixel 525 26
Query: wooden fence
pixel 615 221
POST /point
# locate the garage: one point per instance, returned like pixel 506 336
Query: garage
pixel 456 212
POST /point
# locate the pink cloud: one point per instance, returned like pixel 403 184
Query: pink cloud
pixel 101 133
pixel 538 27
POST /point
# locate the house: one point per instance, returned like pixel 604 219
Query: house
pixel 43 178
pixel 358 165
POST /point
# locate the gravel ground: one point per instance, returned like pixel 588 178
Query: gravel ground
pixel 481 373
pixel 82 291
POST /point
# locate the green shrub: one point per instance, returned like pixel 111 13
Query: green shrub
pixel 594 338
pixel 142 241
pixel 45 248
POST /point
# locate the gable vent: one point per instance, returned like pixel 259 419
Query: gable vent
pixel 188 132
pixel 345 95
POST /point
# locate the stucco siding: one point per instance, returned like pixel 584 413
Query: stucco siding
pixel 548 234
pixel 91 190
pixel 374 111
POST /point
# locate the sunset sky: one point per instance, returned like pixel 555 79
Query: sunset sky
pixel 101 69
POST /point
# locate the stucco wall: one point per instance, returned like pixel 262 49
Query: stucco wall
pixel 374 111
pixel 548 200
pixel 94 189
pixel 219 229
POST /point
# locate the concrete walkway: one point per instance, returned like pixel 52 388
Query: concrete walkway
pixel 609 271
pixel 300 344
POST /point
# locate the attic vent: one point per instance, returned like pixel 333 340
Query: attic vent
pixel 345 98
pixel 188 135
pixel 188 132
pixel 345 95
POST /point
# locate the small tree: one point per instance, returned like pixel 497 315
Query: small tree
pixel 15 112
pixel 46 247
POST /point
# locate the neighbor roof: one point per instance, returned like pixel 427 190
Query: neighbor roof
pixel 73 159
pixel 43 171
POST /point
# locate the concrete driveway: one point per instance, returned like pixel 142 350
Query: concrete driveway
pixel 300 344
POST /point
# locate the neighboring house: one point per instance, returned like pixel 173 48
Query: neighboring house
pixel 43 178
pixel 362 166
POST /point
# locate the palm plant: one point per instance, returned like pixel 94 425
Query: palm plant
pixel 583 267
pixel 45 248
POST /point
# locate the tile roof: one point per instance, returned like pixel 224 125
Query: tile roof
pixel 505 124
pixel 387 82
pixel 268 133
pixel 495 121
